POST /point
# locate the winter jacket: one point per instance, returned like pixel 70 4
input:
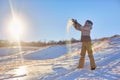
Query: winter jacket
pixel 85 32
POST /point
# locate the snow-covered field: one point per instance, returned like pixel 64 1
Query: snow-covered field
pixel 54 63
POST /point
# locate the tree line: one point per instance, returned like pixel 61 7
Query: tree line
pixel 6 43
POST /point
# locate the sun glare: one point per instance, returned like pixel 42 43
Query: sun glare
pixel 16 27
pixel 21 70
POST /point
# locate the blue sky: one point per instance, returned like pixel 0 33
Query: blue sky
pixel 47 19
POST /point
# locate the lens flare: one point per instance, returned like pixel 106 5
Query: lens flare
pixel 16 29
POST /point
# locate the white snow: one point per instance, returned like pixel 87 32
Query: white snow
pixel 48 53
pixel 54 63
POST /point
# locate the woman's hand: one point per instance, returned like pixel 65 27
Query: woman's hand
pixel 74 21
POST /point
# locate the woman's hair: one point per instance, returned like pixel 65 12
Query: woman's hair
pixel 89 21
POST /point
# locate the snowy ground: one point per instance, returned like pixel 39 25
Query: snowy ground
pixel 54 63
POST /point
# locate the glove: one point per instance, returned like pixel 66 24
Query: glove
pixel 74 21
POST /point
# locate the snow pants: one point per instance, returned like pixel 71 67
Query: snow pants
pixel 86 46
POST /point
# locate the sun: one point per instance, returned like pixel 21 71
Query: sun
pixel 16 27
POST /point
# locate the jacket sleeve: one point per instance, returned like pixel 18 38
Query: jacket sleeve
pixel 78 26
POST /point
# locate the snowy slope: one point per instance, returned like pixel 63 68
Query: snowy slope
pixel 48 53
pixel 108 65
pixel 8 54
pixel 9 51
pixel 54 63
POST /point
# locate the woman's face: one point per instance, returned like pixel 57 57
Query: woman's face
pixel 87 24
